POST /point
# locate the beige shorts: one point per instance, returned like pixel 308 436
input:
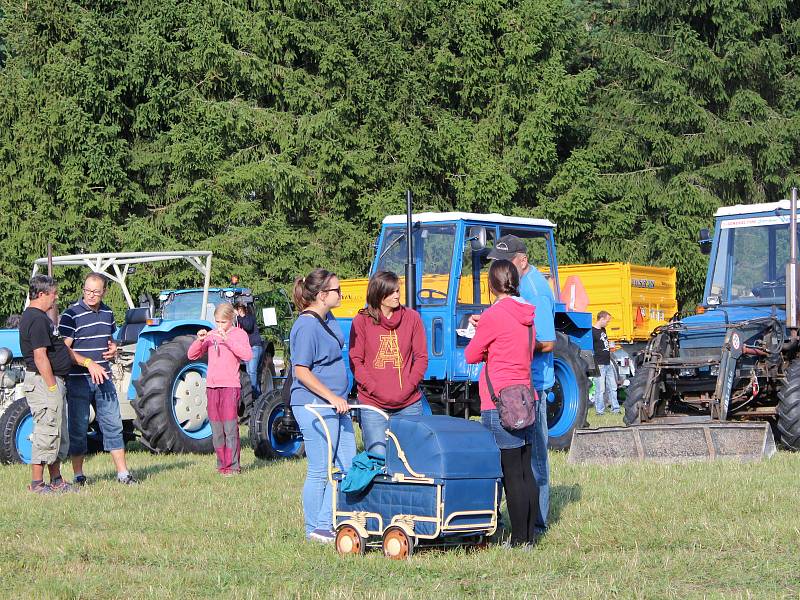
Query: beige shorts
pixel 50 437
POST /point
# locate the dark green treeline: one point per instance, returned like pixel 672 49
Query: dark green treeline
pixel 278 134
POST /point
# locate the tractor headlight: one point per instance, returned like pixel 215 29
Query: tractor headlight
pixel 686 373
pixel 714 371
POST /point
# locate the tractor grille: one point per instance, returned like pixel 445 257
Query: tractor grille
pixel 701 352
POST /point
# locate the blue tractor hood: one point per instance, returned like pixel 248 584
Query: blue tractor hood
pixel 708 329
pixel 9 338
pixel 442 447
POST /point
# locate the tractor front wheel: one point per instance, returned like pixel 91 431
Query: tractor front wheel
pixel 635 395
pixel 568 401
pixel 270 435
pixel 16 428
pixel 170 405
pixel 789 408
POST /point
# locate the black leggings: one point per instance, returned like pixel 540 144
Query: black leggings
pixel 522 493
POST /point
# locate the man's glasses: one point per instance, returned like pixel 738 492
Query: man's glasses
pixel 93 292
pixel 337 290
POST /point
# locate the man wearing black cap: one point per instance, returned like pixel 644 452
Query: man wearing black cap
pixel 533 287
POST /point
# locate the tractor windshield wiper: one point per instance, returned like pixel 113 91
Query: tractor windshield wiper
pixel 391 245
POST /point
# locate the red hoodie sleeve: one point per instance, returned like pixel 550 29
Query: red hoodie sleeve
pixel 475 352
pixel 238 343
pixel 419 351
pixel 357 354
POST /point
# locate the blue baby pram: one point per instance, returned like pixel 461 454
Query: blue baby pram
pixel 441 485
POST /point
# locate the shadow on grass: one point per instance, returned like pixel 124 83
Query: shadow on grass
pixel 560 497
pixel 144 473
pixel 262 463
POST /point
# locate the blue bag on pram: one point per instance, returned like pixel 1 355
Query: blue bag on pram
pixel 364 469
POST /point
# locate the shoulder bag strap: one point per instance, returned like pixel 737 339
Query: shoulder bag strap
pixel 324 325
pixel 492 395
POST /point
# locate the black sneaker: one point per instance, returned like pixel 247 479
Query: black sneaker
pixel 79 480
pixel 128 480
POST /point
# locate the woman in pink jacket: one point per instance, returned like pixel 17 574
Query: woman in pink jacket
pixel 226 347
pixel 502 341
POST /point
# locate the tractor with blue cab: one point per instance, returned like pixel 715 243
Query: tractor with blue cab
pixel 723 383
pixel 443 263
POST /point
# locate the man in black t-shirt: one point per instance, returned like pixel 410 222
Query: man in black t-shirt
pixel 607 380
pixel 47 361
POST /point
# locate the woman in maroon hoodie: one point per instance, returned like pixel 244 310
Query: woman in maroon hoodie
pixel 501 340
pixel 388 357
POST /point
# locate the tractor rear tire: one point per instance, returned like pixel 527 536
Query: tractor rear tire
pixel 266 440
pixel 169 382
pixel 246 398
pixel 16 425
pixel 789 408
pixel 635 394
pixel 569 399
pixel 266 370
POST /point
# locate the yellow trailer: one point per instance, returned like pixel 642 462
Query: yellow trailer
pixel 639 298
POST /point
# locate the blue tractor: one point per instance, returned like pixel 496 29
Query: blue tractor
pixel 161 392
pixel 737 360
pixel 447 265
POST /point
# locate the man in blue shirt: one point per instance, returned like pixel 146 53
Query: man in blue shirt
pixel 87 326
pixel 533 287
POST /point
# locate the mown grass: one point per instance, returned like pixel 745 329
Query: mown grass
pixel 633 531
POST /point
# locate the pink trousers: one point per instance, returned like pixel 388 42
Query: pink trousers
pixel 223 404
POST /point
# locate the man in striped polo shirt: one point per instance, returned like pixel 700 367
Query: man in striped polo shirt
pixel 87 326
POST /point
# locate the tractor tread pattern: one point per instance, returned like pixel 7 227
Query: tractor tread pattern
pixel 259 424
pixel 9 423
pixel 788 424
pixel 153 404
pixel 569 353
pixel 635 394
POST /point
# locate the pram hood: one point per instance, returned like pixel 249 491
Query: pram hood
pixel 442 447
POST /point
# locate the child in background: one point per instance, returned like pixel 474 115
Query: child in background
pixel 226 347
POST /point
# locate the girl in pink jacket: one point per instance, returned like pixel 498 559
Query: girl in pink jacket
pixel 226 346
pixel 502 342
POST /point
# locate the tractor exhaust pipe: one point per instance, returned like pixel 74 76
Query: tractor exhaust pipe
pixel 791 269
pixel 411 267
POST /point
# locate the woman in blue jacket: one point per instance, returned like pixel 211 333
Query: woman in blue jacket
pixel 320 377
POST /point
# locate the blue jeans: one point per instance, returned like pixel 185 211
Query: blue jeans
pixel 80 393
pixel 317 491
pixel 252 370
pixel 540 462
pixel 606 382
pixel 373 426
pixel 505 439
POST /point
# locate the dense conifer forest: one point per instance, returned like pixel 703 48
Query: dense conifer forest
pixel 279 133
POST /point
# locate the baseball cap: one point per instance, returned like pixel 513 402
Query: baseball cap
pixel 507 247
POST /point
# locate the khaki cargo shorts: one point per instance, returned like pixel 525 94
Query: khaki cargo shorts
pixel 50 437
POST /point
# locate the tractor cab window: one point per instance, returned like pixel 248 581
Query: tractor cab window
pixel 433 252
pixel 539 257
pixel 750 263
pixel 473 287
pixel 187 305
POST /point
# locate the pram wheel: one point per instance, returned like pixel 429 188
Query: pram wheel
pixel 397 544
pixel 349 541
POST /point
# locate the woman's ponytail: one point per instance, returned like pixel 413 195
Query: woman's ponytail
pixel 306 288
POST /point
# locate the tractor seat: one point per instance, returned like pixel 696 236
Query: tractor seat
pixel 135 320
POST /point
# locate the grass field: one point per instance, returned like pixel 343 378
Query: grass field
pixel 634 531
